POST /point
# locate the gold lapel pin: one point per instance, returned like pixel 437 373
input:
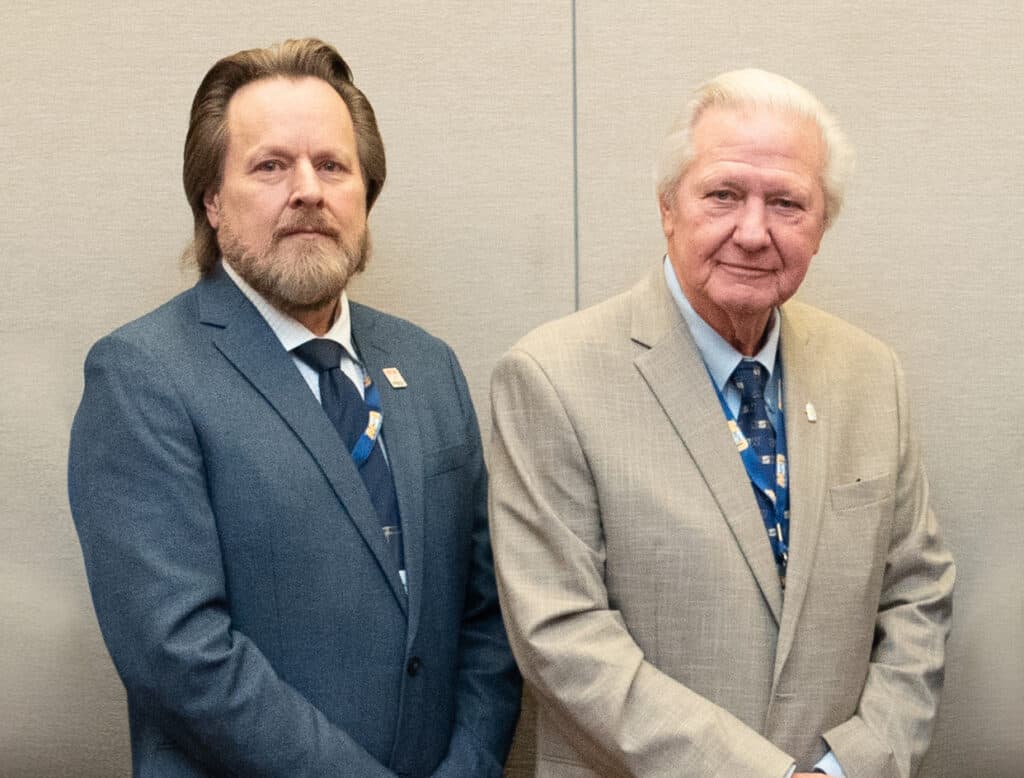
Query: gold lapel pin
pixel 812 415
pixel 394 377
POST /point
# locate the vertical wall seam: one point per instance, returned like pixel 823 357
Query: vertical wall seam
pixel 575 173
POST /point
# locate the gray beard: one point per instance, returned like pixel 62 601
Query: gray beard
pixel 301 278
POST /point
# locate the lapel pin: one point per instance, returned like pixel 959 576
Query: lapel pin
pixel 812 415
pixel 394 377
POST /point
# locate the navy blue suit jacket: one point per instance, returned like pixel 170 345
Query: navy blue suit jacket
pixel 239 571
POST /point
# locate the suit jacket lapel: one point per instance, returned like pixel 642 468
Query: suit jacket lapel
pixel 403 445
pixel 805 380
pixel 248 343
pixel 674 371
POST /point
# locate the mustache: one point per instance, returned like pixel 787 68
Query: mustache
pixel 310 222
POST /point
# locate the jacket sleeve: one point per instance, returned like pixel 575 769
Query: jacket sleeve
pixel 489 684
pixel 573 647
pixel 138 495
pixel 891 730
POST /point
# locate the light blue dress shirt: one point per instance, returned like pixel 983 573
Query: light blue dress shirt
pixel 721 359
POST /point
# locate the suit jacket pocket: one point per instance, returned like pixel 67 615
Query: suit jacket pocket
pixel 861 493
pixel 445 459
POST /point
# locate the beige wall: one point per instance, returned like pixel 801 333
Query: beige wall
pixel 477 235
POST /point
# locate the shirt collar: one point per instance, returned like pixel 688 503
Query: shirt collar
pixel 290 332
pixel 720 357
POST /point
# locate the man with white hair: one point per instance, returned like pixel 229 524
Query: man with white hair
pixel 709 511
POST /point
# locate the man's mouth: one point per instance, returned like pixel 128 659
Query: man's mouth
pixel 746 270
pixel 305 232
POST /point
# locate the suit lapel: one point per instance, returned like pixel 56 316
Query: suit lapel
pixel 674 371
pixel 247 342
pixel 805 380
pixel 403 445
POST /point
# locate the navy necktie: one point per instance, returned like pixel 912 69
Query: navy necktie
pixel 350 415
pixel 750 378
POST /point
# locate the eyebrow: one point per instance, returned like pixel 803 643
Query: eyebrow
pixel 282 151
pixel 774 189
pixel 262 150
pixel 727 183
pixel 796 191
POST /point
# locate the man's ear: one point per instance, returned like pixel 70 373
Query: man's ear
pixel 668 217
pixel 211 200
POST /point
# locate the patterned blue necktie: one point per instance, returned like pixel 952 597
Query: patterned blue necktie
pixel 349 415
pixel 750 378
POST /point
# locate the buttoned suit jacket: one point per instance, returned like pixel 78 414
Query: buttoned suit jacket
pixel 239 572
pixel 639 588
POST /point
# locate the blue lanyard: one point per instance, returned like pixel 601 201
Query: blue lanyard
pixel 364 446
pixel 777 491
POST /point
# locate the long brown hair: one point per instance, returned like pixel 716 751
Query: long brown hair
pixel 207 139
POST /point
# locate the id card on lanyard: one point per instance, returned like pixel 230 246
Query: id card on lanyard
pixel 363 447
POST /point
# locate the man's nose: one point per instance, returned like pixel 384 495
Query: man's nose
pixel 751 232
pixel 307 189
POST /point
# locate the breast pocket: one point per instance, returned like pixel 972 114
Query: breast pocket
pixel 861 493
pixel 444 459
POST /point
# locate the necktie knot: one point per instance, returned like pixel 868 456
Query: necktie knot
pixel 320 354
pixel 750 378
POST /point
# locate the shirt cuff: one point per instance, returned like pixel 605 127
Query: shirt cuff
pixel 829 765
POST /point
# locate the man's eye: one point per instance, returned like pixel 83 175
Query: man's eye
pixel 269 165
pixel 722 195
pixel 785 202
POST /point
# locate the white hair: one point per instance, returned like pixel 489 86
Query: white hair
pixel 753 88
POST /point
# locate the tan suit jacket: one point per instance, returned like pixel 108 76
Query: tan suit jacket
pixel 636 578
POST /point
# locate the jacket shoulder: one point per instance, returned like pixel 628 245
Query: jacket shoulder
pixel 396 331
pixel 835 334
pixel 160 330
pixel 600 327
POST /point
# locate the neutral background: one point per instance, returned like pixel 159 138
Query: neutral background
pixel 520 140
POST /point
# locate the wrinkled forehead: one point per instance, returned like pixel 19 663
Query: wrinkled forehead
pixel 760 125
pixel 772 136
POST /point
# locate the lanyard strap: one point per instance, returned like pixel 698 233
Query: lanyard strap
pixel 364 446
pixel 776 491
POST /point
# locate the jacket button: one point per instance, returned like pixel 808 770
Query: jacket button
pixel 413 666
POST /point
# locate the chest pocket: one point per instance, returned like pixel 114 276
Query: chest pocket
pixel 861 494
pixel 445 459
